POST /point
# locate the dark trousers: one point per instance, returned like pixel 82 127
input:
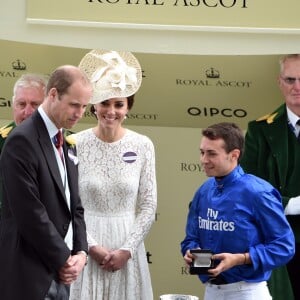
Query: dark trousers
pixel 58 291
pixel 293 268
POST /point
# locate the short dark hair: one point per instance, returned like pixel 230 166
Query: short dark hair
pixel 232 135
pixel 63 77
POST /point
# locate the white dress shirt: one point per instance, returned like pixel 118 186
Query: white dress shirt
pixel 52 130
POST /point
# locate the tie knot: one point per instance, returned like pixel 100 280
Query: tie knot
pixel 58 140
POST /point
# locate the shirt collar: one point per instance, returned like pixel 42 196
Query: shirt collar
pixel 51 128
pixel 293 118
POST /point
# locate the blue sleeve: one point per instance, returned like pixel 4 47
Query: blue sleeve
pixel 279 244
pixel 191 240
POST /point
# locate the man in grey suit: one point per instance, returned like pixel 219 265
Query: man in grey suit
pixel 43 242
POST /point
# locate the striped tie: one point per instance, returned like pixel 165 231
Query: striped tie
pixel 298 137
pixel 58 141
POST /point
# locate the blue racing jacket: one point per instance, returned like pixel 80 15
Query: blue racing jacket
pixel 236 214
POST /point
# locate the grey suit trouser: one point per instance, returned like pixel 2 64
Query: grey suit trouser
pixel 58 291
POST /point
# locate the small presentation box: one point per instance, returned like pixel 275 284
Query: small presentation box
pixel 202 262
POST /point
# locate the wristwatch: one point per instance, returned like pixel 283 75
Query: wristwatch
pixel 86 256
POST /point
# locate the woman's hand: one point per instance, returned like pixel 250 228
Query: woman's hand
pixel 98 253
pixel 115 260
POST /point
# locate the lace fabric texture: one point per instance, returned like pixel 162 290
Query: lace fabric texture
pixel 117 184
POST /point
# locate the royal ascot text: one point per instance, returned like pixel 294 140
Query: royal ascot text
pixel 180 3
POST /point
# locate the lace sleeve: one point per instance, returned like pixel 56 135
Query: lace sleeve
pixel 78 140
pixel 147 200
pixel 91 241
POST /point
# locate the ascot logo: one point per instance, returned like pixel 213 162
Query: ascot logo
pixel 211 75
pixel 19 65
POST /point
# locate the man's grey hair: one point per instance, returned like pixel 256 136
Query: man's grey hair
pixel 287 57
pixel 30 80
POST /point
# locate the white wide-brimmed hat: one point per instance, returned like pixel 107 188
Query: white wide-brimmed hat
pixel 113 74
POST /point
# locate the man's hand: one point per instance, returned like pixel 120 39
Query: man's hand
pixel 72 268
pixel 227 261
pixel 188 258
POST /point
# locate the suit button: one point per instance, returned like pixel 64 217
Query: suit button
pixel 65 227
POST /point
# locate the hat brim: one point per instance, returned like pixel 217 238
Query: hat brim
pixel 93 61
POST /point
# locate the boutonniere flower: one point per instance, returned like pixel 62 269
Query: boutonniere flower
pixel 71 143
pixel 4 131
pixel 268 118
pixel 70 140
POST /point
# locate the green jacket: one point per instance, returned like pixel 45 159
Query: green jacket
pixel 4 132
pixel 266 156
pixel 266 150
pixel 266 153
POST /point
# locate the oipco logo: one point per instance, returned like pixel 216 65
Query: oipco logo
pixel 214 111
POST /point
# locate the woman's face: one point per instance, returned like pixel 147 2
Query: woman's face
pixel 111 113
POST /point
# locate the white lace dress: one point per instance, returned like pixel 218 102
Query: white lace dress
pixel 117 185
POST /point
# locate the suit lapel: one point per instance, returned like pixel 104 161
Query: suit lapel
pixel 47 149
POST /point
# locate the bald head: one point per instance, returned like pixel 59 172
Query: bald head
pixel 64 76
pixel 68 94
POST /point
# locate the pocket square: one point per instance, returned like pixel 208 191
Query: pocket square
pixel 73 157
